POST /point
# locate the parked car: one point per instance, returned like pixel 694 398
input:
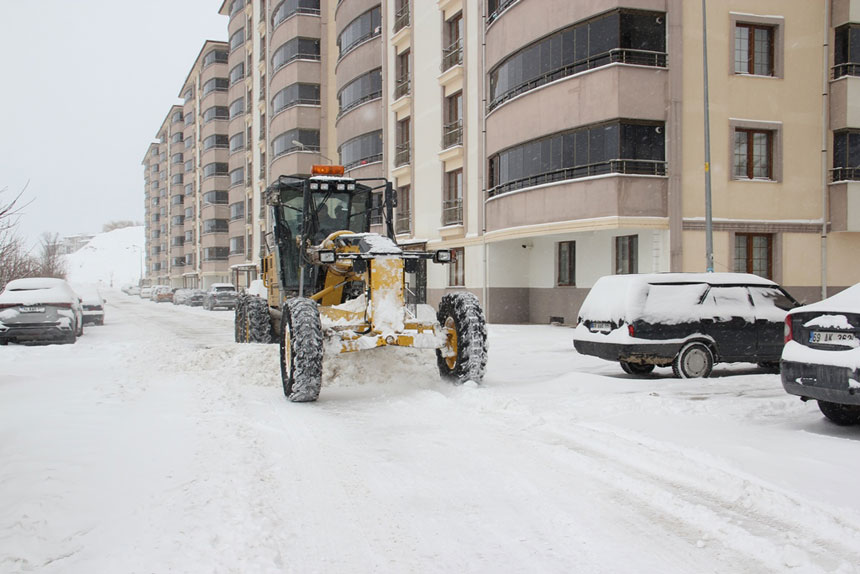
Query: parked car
pixel 180 296
pixel 40 309
pixel 195 298
pixel 687 320
pixel 145 292
pixel 220 295
pixel 93 304
pixel 133 290
pixel 821 358
pixel 162 294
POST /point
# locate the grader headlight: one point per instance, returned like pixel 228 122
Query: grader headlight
pixel 442 256
pixel 327 255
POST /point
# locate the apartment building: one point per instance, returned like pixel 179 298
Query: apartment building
pixel 546 142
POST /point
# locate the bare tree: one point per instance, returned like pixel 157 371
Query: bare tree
pixel 51 262
pixel 15 260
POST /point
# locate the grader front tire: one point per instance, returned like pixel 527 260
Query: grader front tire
pixel 301 345
pixel 464 356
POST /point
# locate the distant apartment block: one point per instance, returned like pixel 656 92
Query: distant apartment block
pixel 547 142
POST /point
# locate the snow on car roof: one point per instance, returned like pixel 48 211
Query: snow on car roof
pixel 34 283
pixel 847 301
pixel 58 293
pixel 230 285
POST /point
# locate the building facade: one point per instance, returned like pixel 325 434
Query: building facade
pixel 546 142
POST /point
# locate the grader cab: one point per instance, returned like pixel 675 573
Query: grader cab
pixel 334 287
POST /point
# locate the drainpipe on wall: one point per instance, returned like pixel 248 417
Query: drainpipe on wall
pixel 825 131
pixel 481 157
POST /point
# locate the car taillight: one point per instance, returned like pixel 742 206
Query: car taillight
pixel 8 305
pixel 630 330
pixel 788 335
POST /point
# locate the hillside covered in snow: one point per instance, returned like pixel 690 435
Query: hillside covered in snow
pixel 110 259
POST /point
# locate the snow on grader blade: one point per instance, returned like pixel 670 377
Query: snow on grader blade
pixel 332 286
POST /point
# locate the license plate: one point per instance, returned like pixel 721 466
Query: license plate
pixel 601 326
pixel 32 309
pixel 831 338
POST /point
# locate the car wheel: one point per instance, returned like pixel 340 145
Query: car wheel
pixel 843 415
pixel 636 368
pixel 695 360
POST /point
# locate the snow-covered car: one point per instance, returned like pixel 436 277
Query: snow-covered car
pixel 40 309
pixel 92 303
pixel 180 296
pixel 162 294
pixel 133 290
pixel 145 292
pixel 821 358
pixel 195 298
pixel 220 295
pixel 687 320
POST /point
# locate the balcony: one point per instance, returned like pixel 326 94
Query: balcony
pixel 401 154
pixel 452 212
pixel 452 55
pixel 401 17
pixel 402 222
pixel 452 134
pixel 401 88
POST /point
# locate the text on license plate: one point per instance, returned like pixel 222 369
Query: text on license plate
pixel 830 337
pixel 601 326
pixel 32 309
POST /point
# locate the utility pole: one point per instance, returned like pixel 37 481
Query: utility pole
pixel 709 232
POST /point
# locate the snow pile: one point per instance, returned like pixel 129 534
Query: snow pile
pixel 114 258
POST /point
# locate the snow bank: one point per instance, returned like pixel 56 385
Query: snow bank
pixel 114 258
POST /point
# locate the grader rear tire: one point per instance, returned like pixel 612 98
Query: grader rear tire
pixel 258 321
pixel 301 350
pixel 239 321
pixel 464 356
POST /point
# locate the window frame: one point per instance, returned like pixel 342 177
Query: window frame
pixel 457 268
pixel 570 257
pixel 749 258
pixel 777 41
pixel 628 244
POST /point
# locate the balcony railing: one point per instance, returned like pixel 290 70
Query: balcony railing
pixel 502 6
pixel 614 166
pixel 847 69
pixel 845 174
pixel 401 154
pixel 401 17
pixel 452 211
pixel 452 55
pixel 402 222
pixel 401 88
pixel 452 134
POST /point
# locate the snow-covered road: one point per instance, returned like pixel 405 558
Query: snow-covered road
pixel 156 444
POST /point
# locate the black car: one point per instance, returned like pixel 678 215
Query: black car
pixel 821 358
pixel 687 320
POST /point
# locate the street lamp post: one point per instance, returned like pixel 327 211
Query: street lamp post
pixel 305 148
pixel 709 233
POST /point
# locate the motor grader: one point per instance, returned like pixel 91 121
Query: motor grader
pixel 335 287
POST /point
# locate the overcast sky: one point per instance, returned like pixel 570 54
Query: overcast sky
pixel 85 87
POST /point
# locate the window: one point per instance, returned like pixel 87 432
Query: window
pixel 452 204
pixel 361 150
pixel 237 39
pixel 457 268
pixel 753 154
pixel 402 154
pixel 283 144
pixel 294 49
pixel 452 131
pixel 754 49
pixel 176 117
pixel 215 197
pixel 215 141
pixel 236 6
pixel 362 89
pixel 237 142
pixel 237 245
pixel 189 213
pixel 189 189
pixel 626 254
pixel 214 85
pixel 362 28
pixel 754 254
pixel 452 54
pixel 177 220
pixel 189 165
pixel 237 73
pixel 289 7
pixel 176 179
pixel 237 210
pixel 296 94
pixel 846 155
pixel 621 36
pixel 176 137
pixel 401 86
pixel 216 113
pixel 496 7
pixel 215 226
pixel 213 57
pixel 567 263
pixel 237 176
pixel 617 147
pixel 402 219
pixel 176 158
pixel 846 51
pixel 215 253
pixel 214 169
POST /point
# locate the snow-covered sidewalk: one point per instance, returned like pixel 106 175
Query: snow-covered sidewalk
pixel 156 444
